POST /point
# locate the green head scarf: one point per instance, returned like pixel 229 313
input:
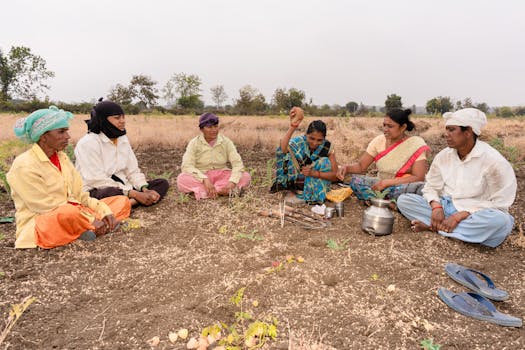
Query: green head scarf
pixel 33 126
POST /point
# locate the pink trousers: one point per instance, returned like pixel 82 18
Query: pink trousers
pixel 186 183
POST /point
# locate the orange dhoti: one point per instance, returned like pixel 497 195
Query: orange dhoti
pixel 66 223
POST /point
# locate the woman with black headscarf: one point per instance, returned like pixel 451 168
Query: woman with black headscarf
pixel 107 163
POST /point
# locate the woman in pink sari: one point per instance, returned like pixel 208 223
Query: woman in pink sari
pixel 401 160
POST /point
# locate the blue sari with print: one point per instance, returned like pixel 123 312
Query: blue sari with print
pixel 286 174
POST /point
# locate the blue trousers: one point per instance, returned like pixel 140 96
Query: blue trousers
pixel 488 227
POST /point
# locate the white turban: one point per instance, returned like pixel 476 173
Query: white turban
pixel 472 117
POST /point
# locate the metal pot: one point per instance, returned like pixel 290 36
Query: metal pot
pixel 378 220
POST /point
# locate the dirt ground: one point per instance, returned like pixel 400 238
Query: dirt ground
pixel 179 269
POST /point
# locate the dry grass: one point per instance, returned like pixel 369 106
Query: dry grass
pixel 349 135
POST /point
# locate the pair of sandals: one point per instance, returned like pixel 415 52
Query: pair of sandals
pixel 476 304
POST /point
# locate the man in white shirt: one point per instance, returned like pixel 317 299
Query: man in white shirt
pixel 469 187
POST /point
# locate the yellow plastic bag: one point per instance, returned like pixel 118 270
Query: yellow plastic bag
pixel 339 195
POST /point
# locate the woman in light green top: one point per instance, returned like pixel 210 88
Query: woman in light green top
pixel 205 171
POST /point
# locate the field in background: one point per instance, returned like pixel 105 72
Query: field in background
pixel 350 135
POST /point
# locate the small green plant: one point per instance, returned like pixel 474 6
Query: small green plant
pixel 3 177
pixel 14 314
pixel 278 265
pixel 379 194
pixel 247 332
pixel 253 174
pixel 252 236
pixel 2 274
pixel 268 179
pixel 165 175
pixel 2 236
pixel 334 245
pixel 183 198
pixel 512 154
pixel 428 344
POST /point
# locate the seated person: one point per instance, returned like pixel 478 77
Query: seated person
pixel 401 160
pixel 205 172
pixel 107 163
pixel 469 187
pixel 51 208
pixel 309 158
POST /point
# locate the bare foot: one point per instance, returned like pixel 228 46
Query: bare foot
pixel 418 226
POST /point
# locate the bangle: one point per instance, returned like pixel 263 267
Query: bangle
pixel 437 207
pixel 143 187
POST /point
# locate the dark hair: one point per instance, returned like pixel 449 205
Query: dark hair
pixel 317 125
pixel 400 116
pixel 465 128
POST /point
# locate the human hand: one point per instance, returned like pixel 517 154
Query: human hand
pixel 341 172
pixel 296 116
pixel 436 219
pixel 449 224
pixel 231 185
pixel 111 222
pixel 154 195
pixel 210 188
pixel 100 227
pixel 307 170
pixel 381 185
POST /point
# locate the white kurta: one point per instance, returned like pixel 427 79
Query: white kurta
pixel 483 180
pixel 97 158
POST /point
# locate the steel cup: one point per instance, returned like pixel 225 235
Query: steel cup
pixel 329 212
pixel 340 209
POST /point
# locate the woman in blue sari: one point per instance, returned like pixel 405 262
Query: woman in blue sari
pixel 309 158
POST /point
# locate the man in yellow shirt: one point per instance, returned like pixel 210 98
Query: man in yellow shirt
pixel 51 208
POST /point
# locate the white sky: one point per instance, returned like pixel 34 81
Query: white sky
pixel 336 51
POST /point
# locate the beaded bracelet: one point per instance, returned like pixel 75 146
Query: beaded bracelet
pixel 437 207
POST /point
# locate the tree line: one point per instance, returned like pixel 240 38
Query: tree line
pixel 24 76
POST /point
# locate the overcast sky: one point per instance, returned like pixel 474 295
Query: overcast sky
pixel 335 51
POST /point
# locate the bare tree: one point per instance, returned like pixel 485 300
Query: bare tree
pixel 218 95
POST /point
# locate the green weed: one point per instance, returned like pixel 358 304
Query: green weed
pixel 183 198
pixel 8 150
pixel 428 344
pixel 2 236
pixel 512 154
pixel 374 277
pixel 334 245
pixel 252 236
pixel 379 194
pixel 165 175
pixel 247 332
pixel 268 179
pixel 3 177
pixel 253 173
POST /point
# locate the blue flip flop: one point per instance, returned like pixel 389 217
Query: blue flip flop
pixel 478 307
pixel 469 278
